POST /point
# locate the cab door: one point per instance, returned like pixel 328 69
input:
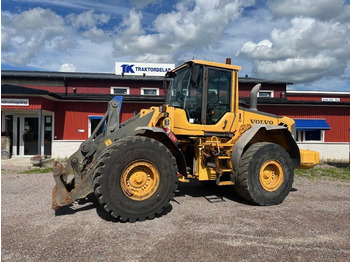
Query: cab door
pixel 218 105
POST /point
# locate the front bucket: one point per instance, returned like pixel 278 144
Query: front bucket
pixel 60 194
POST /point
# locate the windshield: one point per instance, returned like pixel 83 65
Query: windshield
pixel 185 91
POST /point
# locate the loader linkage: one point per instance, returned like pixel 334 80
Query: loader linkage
pixel 81 163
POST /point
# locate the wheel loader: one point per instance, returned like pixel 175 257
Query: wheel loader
pixel 201 132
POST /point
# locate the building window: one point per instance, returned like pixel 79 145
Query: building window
pixel 266 93
pixel 116 90
pixel 313 136
pixel 310 136
pixel 150 91
pixel 93 122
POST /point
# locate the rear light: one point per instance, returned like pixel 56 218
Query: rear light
pixel 171 135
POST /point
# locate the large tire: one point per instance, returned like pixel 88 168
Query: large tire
pixel 265 174
pixel 135 179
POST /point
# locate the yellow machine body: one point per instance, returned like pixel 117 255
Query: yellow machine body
pixel 222 136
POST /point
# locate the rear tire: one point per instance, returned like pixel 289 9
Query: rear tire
pixel 135 179
pixel 265 174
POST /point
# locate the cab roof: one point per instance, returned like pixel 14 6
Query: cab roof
pixel 209 63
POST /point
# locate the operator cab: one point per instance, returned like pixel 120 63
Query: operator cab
pixel 203 91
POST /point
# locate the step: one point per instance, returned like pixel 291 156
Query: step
pixel 226 183
pixel 224 157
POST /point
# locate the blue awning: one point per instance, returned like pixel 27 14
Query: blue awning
pixel 311 124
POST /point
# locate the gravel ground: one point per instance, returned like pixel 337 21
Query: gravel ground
pixel 202 224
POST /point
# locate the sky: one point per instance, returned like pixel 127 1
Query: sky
pixel 304 42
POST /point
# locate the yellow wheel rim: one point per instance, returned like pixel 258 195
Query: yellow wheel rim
pixel 271 175
pixel 140 180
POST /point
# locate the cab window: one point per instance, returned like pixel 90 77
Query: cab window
pixel 218 94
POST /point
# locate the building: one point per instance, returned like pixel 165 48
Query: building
pixel 51 113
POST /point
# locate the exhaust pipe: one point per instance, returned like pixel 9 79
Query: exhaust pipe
pixel 254 97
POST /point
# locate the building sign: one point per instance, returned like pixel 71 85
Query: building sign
pixel 139 69
pixel 329 99
pixel 14 102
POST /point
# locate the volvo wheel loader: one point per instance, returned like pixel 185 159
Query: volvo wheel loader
pixel 200 133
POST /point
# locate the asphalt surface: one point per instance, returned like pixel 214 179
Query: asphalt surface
pixel 202 224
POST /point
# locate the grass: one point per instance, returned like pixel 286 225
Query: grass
pixel 325 172
pixel 44 169
pixel 37 171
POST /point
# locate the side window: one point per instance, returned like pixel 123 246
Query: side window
pixel 193 97
pixel 219 94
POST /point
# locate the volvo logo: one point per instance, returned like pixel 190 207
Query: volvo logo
pixel 258 121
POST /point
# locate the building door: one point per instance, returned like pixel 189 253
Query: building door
pixel 24 134
pixel 30 136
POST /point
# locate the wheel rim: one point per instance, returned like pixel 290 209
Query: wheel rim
pixel 140 180
pixel 271 175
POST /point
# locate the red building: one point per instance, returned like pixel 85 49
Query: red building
pixel 51 113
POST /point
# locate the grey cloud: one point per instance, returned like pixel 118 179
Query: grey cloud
pixel 88 19
pixel 308 50
pixel 320 9
pixel 28 32
pixel 39 32
pixel 88 22
pixel 143 3
pixel 179 31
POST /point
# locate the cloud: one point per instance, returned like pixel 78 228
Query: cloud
pixel 298 69
pixel 43 39
pixel 88 19
pixel 306 51
pixel 320 9
pixel 301 41
pixel 25 34
pixel 115 7
pixel 88 22
pixel 143 3
pixel 66 67
pixel 177 32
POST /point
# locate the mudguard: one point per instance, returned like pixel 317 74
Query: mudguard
pixel 290 145
pixel 160 135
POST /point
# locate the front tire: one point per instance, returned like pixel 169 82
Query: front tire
pixel 135 179
pixel 265 174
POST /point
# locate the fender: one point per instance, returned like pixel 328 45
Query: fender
pixel 287 142
pixel 160 135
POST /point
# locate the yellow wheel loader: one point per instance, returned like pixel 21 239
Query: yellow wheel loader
pixel 200 133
